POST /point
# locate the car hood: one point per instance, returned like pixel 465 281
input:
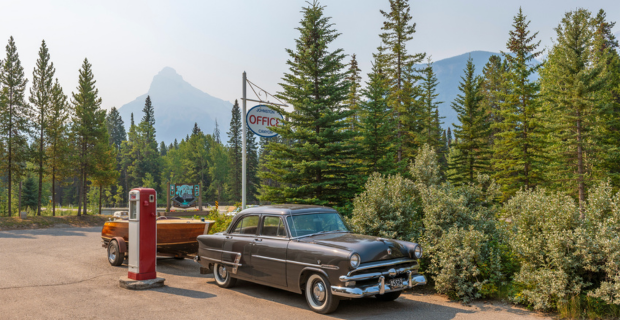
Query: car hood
pixel 368 247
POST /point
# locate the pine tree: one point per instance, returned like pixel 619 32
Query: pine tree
pixel 376 125
pixel 57 132
pixel 353 98
pixel 235 149
pixel 519 142
pixel 494 90
pixel 571 82
pixel 196 129
pixel 430 121
pixel 252 181
pixel 399 65
pixel 116 128
pixel 310 169
pixel 473 133
pixel 606 51
pixel 88 126
pixel 29 194
pixel 216 133
pixel 40 96
pixel 176 144
pixel 146 156
pixel 162 149
pixel 14 117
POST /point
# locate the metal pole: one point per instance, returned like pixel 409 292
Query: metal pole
pixel 243 166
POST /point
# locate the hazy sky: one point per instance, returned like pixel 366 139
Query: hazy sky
pixel 210 43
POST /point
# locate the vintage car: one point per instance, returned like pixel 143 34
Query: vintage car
pixel 309 249
pixel 175 237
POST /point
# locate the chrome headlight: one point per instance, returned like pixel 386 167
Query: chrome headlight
pixel 355 260
pixel 417 252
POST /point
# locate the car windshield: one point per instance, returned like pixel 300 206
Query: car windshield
pixel 305 224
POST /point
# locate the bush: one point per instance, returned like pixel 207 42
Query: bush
pixel 222 221
pixel 562 256
pixel 387 209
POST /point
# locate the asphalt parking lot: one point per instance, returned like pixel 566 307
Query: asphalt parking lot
pixel 62 273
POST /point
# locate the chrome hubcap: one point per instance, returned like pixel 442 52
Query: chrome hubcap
pixel 223 273
pixel 112 255
pixel 319 291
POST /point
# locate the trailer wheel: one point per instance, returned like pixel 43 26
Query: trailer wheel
pixel 115 257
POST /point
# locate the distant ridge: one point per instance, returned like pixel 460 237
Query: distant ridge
pixel 177 106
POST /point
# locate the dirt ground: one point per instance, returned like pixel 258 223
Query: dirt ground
pixel 62 273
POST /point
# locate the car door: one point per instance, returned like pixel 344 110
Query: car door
pixel 241 240
pixel 269 252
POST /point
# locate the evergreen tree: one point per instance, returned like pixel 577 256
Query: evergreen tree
pixel 116 128
pixel 162 149
pixel 494 90
pixel 216 133
pixel 235 148
pixel 57 130
pixel 13 118
pixel 519 142
pixel 310 169
pixel 196 129
pixel 29 194
pixel 252 181
pixel 88 126
pixel 606 52
pixel 473 133
pixel 399 64
pixel 430 121
pixel 104 171
pixel 376 125
pixel 176 144
pixel 353 98
pixel 571 82
pixel 146 156
pixel 40 97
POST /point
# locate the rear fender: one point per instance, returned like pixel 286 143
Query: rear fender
pixel 122 245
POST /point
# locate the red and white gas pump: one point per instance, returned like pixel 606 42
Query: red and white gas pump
pixel 142 234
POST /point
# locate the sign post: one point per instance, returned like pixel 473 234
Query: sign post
pixel 260 118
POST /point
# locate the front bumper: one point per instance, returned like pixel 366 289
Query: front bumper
pixel 379 288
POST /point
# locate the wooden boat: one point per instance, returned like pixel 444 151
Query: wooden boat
pixel 175 237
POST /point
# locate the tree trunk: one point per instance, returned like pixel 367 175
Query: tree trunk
pixel 79 191
pixel 19 200
pixel 580 171
pixel 84 192
pixel 40 169
pixel 10 150
pixel 100 192
pixel 53 193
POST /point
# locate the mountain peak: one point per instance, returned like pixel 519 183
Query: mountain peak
pixel 169 73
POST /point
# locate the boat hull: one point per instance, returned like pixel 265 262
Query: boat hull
pixel 174 237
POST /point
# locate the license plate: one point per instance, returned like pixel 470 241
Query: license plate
pixel 396 283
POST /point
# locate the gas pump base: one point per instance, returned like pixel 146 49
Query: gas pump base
pixel 131 284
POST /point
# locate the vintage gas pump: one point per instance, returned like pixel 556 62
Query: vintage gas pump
pixel 142 234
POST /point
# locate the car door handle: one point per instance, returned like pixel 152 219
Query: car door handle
pixel 258 240
pixel 228 237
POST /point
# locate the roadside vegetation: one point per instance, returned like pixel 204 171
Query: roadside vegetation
pixel 37 222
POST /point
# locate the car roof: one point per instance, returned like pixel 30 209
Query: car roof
pixel 287 209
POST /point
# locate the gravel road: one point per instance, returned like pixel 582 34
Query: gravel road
pixel 62 273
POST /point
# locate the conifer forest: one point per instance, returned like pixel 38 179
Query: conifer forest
pixel 527 180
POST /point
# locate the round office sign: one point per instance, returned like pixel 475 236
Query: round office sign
pixel 261 118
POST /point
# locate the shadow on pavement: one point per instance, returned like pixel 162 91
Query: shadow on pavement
pixel 183 268
pixel 185 293
pixel 367 307
pixel 56 232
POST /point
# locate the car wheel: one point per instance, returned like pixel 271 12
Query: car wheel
pixel 115 257
pixel 319 295
pixel 390 296
pixel 222 276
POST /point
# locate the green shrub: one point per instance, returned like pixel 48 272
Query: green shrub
pixel 222 221
pixel 387 208
pixel 563 256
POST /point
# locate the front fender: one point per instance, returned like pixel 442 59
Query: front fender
pixel 305 273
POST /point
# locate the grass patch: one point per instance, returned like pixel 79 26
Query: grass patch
pixel 36 222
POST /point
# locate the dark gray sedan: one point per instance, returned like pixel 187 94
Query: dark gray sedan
pixel 308 249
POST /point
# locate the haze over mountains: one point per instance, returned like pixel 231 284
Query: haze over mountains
pixel 178 104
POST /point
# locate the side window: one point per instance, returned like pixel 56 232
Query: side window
pixel 247 225
pixel 273 227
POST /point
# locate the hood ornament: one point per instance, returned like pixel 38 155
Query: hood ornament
pixel 389 250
